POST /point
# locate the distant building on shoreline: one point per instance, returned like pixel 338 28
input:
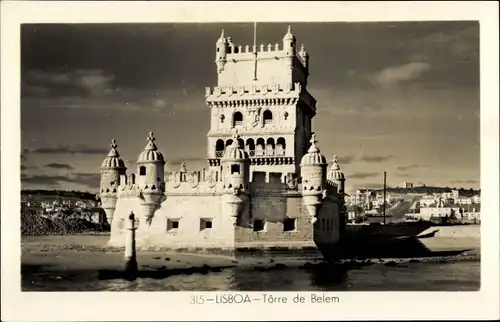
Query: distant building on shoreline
pixel 267 184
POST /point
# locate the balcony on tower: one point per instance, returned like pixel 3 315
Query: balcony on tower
pixel 256 148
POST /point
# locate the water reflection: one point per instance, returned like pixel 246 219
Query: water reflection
pixel 413 277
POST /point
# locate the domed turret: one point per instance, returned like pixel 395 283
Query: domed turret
pixel 235 165
pixel 235 172
pixel 150 153
pixel 111 169
pixel 221 52
pixel 150 179
pixel 113 160
pixel 313 172
pixel 336 176
pixel 313 157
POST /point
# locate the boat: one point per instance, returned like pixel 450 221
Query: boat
pixel 379 231
pixel 384 231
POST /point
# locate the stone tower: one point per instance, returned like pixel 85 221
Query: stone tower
pixel 111 169
pixel 262 92
pixel 150 180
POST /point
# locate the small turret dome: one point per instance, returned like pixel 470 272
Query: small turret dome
pixel 150 153
pixel 234 152
pixel 335 173
pixel 313 155
pixel 289 35
pixel 113 160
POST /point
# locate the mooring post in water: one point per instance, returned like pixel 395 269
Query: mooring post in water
pixel 131 270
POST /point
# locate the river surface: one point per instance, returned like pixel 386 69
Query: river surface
pixel 454 276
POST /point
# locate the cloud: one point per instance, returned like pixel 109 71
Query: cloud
pixel 43 179
pixel 405 175
pixel 456 45
pixel 82 82
pixel 59 166
pixel 64 149
pixel 395 75
pixel 90 180
pixel 409 167
pixel 363 175
pixel 374 158
pixel 347 159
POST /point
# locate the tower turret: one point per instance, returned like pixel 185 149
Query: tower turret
pixel 236 174
pixel 150 178
pixel 111 169
pixel 313 171
pixel 305 56
pixel 289 43
pixel 221 52
pixel 336 176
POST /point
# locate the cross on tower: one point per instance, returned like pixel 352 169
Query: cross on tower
pixel 113 144
pixel 313 139
pixel 151 138
pixel 313 148
pixel 335 163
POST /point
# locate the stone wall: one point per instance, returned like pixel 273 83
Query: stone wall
pixel 273 209
pixel 180 222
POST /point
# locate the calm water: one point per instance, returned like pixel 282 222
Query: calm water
pixel 458 276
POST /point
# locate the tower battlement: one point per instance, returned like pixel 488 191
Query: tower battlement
pixel 238 65
pixel 264 52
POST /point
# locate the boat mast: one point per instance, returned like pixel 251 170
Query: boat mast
pixel 383 203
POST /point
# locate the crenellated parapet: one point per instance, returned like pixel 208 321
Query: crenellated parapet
pixel 228 51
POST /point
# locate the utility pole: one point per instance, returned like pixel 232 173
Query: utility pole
pixel 384 196
pixel 255 50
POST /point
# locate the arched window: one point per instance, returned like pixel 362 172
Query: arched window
pixel 259 149
pixel 250 147
pixel 229 142
pixel 237 119
pixel 280 146
pixel 219 148
pixel 268 117
pixel 270 147
pixel 222 117
pixel 142 170
pixel 241 143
